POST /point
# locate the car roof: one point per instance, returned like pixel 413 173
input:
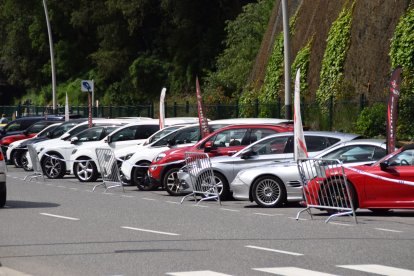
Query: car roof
pixel 336 134
pixel 239 121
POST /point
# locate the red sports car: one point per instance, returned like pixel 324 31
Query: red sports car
pixel 387 184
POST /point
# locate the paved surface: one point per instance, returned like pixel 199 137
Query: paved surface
pixel 61 227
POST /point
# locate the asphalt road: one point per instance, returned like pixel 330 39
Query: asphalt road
pixel 61 227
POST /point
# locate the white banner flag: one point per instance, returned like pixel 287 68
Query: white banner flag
pixel 299 144
pixel 66 108
pixel 162 108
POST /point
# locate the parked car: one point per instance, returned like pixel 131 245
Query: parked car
pixel 17 149
pixel 30 132
pixel 225 141
pixel 3 188
pixel 277 147
pixel 387 184
pixel 55 159
pixel 278 183
pixel 19 125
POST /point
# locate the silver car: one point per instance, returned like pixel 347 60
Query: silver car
pixel 274 147
pixel 273 185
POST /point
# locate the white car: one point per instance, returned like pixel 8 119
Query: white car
pixel 13 151
pixel 55 156
pixel 133 134
pixel 3 188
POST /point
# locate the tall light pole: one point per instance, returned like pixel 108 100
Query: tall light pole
pixel 288 96
pixel 52 58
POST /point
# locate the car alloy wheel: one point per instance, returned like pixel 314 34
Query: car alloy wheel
pixel 24 160
pixel 53 167
pixel 172 183
pixel 140 177
pixel 268 191
pixel 86 171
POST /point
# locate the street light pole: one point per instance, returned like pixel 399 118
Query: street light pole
pixel 52 58
pixel 288 96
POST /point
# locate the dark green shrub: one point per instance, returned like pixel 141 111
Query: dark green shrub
pixel 372 121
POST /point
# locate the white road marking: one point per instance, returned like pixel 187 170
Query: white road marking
pixel 269 215
pixel 230 210
pixel 343 224
pixel 57 216
pixel 298 218
pixel 150 231
pixel 292 271
pixel 60 186
pixel 274 250
pixel 172 202
pixel 388 230
pixel 201 206
pixel 197 273
pixel 146 198
pixel 129 196
pixel 48 184
pixel 74 189
pixel 380 269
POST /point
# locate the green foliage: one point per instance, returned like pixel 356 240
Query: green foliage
pixel 334 57
pixel 402 53
pixel 274 72
pixel 371 121
pixel 302 61
pixel 244 36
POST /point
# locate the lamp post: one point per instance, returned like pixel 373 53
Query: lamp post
pixel 288 96
pixel 52 58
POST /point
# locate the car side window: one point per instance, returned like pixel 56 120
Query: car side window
pixel 13 126
pixel 90 135
pixel 316 143
pixel 274 145
pixel 145 131
pixel 230 137
pixel 352 154
pixel 188 136
pixel 260 133
pixel 404 158
pixel 124 134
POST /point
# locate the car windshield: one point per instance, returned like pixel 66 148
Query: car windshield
pixel 356 153
pixel 273 145
pixel 158 135
pixel 57 132
pixel 403 158
pixel 44 132
pixel 95 133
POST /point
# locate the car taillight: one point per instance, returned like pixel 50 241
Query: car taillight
pixel 1 156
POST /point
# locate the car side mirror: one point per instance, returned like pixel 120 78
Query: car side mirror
pixel 108 139
pixel 74 140
pixel 247 154
pixel 171 143
pixel 384 165
pixel 208 146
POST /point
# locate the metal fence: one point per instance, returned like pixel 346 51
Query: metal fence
pixel 325 187
pixel 109 169
pixel 35 162
pixel 338 115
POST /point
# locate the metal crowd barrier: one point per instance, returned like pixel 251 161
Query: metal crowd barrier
pixel 325 187
pixel 37 168
pixel 109 169
pixel 201 177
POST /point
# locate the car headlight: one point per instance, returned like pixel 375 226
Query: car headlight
pixel 128 156
pixel 74 151
pixel 159 157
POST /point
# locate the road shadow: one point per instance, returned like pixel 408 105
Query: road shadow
pixel 20 204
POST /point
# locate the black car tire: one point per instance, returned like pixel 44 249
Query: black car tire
pixel 3 194
pixel 269 191
pixel 53 168
pixel 171 183
pixel 24 161
pixel 15 158
pixel 140 178
pixel 85 171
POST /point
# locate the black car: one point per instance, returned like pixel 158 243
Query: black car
pixel 19 125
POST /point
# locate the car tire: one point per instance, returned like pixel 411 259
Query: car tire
pixel 140 178
pixel 329 198
pixel 53 168
pixel 15 158
pixel 171 182
pixel 223 186
pixel 25 161
pixel 269 191
pixel 3 194
pixel 85 171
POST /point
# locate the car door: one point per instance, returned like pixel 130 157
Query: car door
pixel 387 194
pixel 260 153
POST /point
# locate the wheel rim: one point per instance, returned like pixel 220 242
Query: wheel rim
pixel 16 160
pixel 268 192
pixel 24 161
pixel 84 170
pixel 53 167
pixel 173 184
